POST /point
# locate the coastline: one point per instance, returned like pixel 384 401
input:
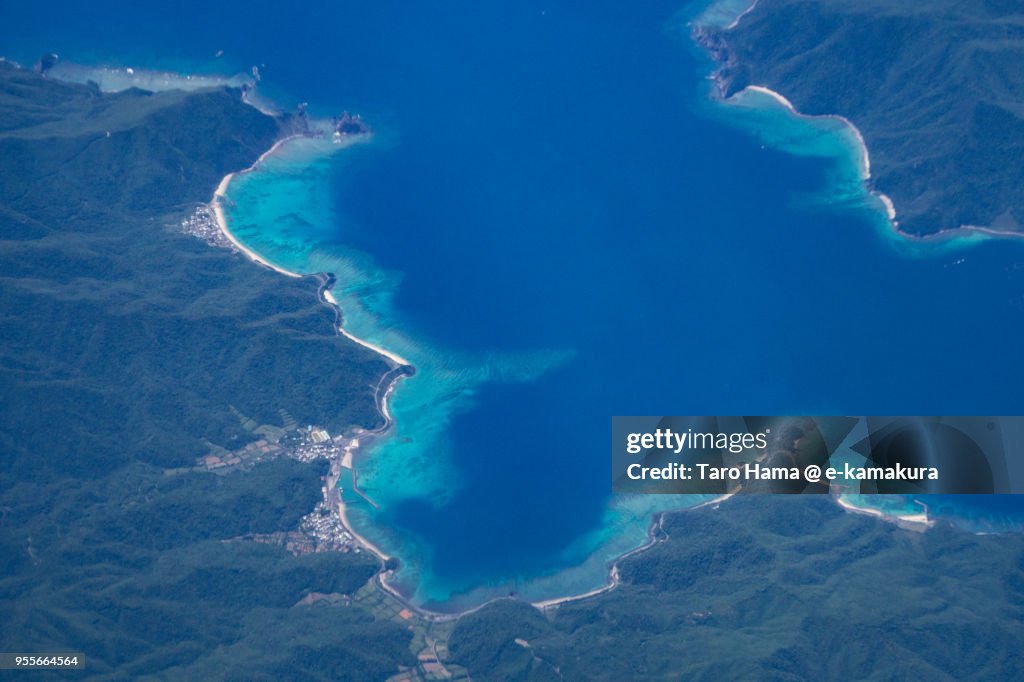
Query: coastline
pixel 387 386
pixel 394 357
pixel 719 54
pixel 369 546
pixel 742 14
pixel 919 522
pixel 390 377
pixel 220 194
pixel 864 156
pixel 942 235
pixel 654 536
pixel 218 211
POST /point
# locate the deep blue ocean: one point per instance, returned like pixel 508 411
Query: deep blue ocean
pixel 556 224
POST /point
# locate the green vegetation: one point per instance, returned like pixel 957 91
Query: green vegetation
pixel 121 339
pixel 127 350
pixel 935 87
pixel 133 571
pixel 780 589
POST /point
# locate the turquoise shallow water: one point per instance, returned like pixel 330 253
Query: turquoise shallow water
pixel 556 225
pixel 284 211
pixel 465 424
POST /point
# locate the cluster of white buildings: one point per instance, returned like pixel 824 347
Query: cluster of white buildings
pixel 317 444
pixel 325 526
pixel 202 224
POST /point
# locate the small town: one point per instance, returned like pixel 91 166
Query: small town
pixel 202 224
pixel 322 530
pixel 319 531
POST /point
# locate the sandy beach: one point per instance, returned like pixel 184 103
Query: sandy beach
pixel 394 357
pixel 218 211
pixel 613 573
pixel 363 541
pixel 919 521
pixel 736 21
pixel 864 159
pixel 612 584
pixel 890 209
pixel 216 205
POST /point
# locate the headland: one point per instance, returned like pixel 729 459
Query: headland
pixel 941 161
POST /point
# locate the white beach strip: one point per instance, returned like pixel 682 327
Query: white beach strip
pixel 395 357
pixel 551 603
pixel 613 573
pixel 774 95
pixel 385 410
pixel 865 158
pixel 222 222
pixel 363 541
pixel 890 209
pixel 218 212
pixel 736 21
pixel 919 521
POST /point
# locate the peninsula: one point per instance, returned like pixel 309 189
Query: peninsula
pixel 935 88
